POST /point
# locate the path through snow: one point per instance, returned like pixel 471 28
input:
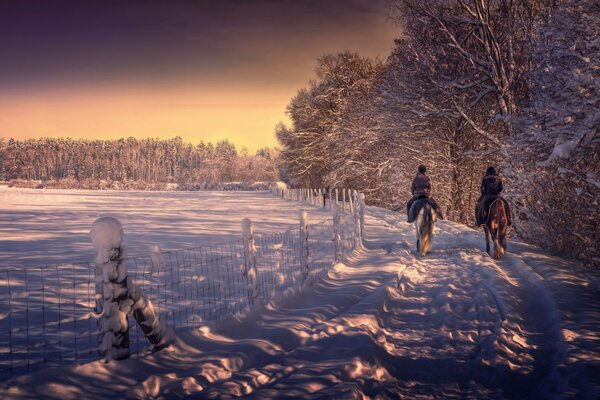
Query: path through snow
pixel 453 324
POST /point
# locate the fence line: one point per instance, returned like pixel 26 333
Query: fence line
pixel 47 313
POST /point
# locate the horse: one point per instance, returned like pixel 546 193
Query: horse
pixel 424 227
pixel 496 226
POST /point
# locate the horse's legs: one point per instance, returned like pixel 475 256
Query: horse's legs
pixel 494 232
pixel 487 238
pixel 502 243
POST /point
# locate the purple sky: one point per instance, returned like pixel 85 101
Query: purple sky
pixel 227 53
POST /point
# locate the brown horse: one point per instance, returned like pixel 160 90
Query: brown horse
pixel 496 225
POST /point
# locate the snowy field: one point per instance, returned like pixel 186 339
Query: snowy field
pixel 41 227
pixel 382 324
pixel 47 284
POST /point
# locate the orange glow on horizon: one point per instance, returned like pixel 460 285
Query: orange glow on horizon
pixel 205 71
pixel 246 116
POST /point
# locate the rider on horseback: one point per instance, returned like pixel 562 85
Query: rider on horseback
pixel 491 187
pixel 421 188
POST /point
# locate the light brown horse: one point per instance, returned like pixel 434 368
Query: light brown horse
pixel 424 226
pixel 496 225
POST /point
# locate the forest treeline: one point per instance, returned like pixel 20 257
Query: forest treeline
pixel 132 163
pixel 469 83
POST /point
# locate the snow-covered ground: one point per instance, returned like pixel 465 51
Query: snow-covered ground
pixel 454 324
pixel 41 227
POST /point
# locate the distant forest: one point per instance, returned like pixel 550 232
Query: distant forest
pixel 131 163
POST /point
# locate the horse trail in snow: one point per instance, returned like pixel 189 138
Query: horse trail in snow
pixel 385 323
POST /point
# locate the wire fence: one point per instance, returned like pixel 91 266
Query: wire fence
pixel 47 314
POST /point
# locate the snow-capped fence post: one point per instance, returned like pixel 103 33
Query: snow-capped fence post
pixel 362 215
pixel 144 314
pixel 157 259
pixel 350 203
pixel 304 242
pixel 250 271
pixel 111 288
pixel 358 217
pixel 117 295
pixel 336 233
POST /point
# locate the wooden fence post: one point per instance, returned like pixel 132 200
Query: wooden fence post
pixel 336 233
pixel 304 242
pixel 357 218
pixel 111 288
pixel 250 271
pixel 117 295
pixel 362 216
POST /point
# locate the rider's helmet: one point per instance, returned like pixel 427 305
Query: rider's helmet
pixel 422 169
pixel 491 171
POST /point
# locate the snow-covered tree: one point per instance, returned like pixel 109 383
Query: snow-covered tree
pixel 555 165
pixel 317 113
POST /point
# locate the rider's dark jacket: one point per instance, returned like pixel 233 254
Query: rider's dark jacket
pixel 491 185
pixel 421 185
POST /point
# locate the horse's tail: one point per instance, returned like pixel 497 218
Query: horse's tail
pixel 497 223
pixel 426 230
pixel 502 223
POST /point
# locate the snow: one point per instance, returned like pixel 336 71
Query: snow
pixel 106 234
pixel 384 322
pixel 41 227
pixel 563 150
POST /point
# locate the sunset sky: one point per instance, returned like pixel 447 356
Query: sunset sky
pixel 203 70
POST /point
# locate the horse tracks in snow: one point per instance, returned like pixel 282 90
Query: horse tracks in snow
pixel 385 323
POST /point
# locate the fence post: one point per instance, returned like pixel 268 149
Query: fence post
pixel 144 314
pixel 337 198
pixel 304 242
pixel 157 259
pixel 330 198
pixel 111 288
pixel 350 202
pixel 344 199
pixel 362 216
pixel 336 233
pixel 357 218
pixel 250 270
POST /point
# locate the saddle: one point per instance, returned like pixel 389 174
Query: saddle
pixel 483 211
pixel 416 207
